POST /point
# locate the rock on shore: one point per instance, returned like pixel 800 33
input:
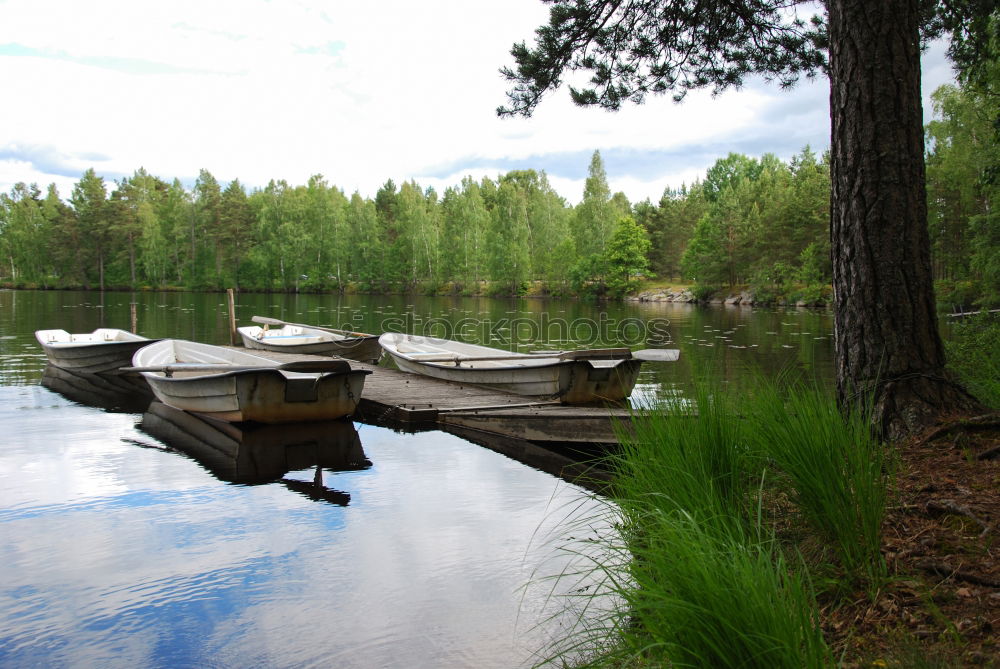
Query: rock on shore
pixel 662 296
pixel 744 298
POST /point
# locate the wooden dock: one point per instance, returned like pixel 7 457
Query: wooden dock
pixel 411 401
pixel 556 438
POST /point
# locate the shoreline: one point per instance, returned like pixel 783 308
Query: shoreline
pixel 731 297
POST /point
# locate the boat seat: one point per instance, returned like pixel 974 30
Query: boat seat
pixel 301 389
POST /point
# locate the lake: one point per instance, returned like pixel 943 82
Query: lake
pixel 122 548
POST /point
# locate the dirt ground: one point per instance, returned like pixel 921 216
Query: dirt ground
pixel 941 604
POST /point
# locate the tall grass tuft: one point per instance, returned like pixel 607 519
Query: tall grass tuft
pixel 836 472
pixel 701 599
pixel 693 560
pixel 690 456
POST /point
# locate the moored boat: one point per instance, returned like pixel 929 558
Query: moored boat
pixel 573 377
pixel 235 386
pixel 102 351
pixel 300 339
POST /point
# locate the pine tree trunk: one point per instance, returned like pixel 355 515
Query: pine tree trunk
pixel 886 329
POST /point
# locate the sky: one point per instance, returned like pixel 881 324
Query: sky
pixel 359 92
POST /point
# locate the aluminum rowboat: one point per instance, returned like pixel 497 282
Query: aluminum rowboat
pixel 102 351
pixel 297 339
pixel 257 391
pixel 572 381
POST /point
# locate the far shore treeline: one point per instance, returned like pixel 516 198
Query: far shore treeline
pixel 754 222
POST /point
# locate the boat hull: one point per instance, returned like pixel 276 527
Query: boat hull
pixel 569 381
pixel 311 342
pixel 264 395
pixel 102 351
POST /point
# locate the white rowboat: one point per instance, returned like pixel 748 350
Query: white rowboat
pixel 102 351
pixel 234 386
pixel 574 377
pixel 300 339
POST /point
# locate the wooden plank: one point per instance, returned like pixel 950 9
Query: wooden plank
pixel 540 427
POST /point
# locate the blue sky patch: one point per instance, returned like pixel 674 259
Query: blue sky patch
pixel 49 160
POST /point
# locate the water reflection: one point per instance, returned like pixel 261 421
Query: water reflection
pixel 723 340
pixel 127 556
pixel 582 464
pixel 124 394
pixel 255 454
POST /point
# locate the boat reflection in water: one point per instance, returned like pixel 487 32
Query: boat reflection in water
pixel 127 393
pixel 255 453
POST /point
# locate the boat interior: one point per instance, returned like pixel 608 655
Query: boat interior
pixel 289 335
pixel 447 352
pixel 101 335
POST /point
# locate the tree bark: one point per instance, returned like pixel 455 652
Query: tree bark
pixel 888 348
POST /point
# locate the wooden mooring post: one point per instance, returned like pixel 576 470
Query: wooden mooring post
pixel 232 316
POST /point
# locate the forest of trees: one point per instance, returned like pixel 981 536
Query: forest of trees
pixel 750 221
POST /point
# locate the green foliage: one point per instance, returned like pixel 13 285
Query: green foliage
pixel 704 259
pixel 508 254
pixel 812 265
pixel 963 165
pixel 757 221
pixel 588 277
pixel 670 48
pixel 670 226
pixel 759 215
pixel 703 292
pixel 627 256
pixel 768 286
pixel 811 294
pixel 89 200
pixel 465 220
pixel 506 289
pixel 728 174
pixel 24 229
pixel 209 258
pixel 593 219
pixel 972 354
pixel 957 296
pixel 985 229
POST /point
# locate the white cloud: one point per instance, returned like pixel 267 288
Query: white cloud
pixel 361 93
pixel 14 171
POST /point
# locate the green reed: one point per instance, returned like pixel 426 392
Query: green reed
pixel 834 471
pixel 699 558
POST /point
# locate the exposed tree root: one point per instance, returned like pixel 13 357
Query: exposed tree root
pixel 989 453
pixel 907 405
pixel 943 569
pixel 949 506
pixel 983 422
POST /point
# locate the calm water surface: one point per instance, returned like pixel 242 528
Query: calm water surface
pixel 120 548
